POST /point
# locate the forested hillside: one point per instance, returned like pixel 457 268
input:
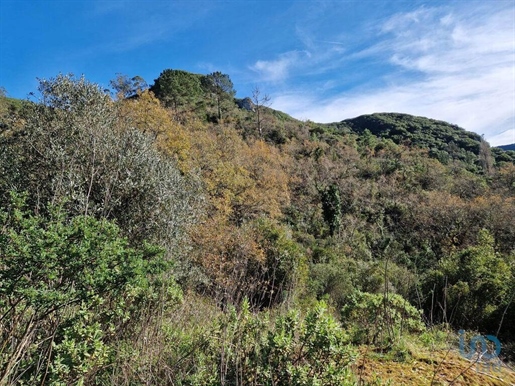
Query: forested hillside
pixel 507 147
pixel 169 234
pixel 443 140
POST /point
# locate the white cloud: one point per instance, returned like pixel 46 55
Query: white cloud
pixel 456 65
pixel 454 99
pixel 279 69
pixel 505 138
pixel 469 43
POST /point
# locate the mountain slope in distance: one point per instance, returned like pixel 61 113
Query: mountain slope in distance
pixel 444 141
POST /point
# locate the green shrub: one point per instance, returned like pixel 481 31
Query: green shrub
pixel 475 284
pixel 376 319
pixel 68 289
pixel 295 350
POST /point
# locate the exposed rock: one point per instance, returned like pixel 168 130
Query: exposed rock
pixel 246 104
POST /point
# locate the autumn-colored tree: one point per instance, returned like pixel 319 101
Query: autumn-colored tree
pixel 148 115
pixel 504 179
pixel 257 260
pixel 243 181
pixel 230 258
pixel 268 168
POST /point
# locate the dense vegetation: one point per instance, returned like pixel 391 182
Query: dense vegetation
pixel 164 235
pixel 444 141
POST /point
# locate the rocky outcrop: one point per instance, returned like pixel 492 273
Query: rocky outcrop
pixel 246 104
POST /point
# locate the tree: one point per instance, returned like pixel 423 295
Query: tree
pixel 74 152
pixel 260 102
pixel 177 89
pixel 504 179
pixel 126 87
pixel 147 114
pixel 332 208
pixel 221 86
pixel 472 285
pixel 485 157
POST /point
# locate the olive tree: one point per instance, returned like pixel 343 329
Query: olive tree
pixel 73 151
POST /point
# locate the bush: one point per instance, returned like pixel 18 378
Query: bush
pixel 475 285
pixel 374 319
pixel 313 350
pixel 68 289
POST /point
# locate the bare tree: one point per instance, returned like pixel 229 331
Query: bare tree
pixel 260 102
pixel 485 157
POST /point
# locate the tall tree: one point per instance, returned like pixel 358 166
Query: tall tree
pixel 221 86
pixel 260 102
pixel 177 88
pixel 332 208
pixel 126 87
pixel 485 157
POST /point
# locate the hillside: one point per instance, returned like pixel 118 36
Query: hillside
pixel 443 140
pixel 173 235
pixel 507 147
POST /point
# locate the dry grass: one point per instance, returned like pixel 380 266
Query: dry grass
pixel 431 368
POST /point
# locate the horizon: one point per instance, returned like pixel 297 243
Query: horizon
pixel 325 61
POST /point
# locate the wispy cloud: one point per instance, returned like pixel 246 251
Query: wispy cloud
pixel 279 69
pixel 434 41
pixel 134 41
pixel 151 22
pixel 454 64
pixel 505 138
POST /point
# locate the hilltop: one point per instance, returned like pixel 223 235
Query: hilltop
pixel 507 147
pixel 444 141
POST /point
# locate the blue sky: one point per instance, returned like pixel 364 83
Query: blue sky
pixel 320 60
